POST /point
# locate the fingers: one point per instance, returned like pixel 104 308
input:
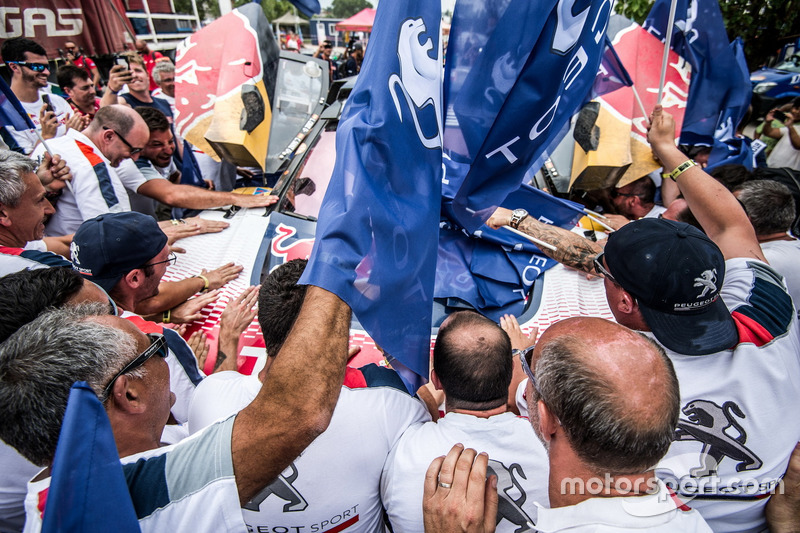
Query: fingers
pixel 490 504
pixel 177 249
pixel 432 478
pixel 198 342
pixel 352 352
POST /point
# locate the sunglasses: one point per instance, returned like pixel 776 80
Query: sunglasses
pixel 158 345
pixel 599 268
pixel 36 67
pixel 172 259
pixel 524 355
pixel 133 150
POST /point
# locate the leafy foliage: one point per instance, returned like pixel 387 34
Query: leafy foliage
pixel 348 8
pixel 209 9
pixel 764 25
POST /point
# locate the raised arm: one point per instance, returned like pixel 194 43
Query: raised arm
pixel 716 209
pixel 296 403
pixel 572 250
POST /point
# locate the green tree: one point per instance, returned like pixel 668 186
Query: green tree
pixel 764 25
pixel 347 8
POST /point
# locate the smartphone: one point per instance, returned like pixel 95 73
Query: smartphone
pixel 779 115
pixel 47 103
pixel 119 60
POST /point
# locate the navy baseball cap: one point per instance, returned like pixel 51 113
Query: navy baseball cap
pixel 109 246
pixel 675 272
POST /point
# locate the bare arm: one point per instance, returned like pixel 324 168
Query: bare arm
pixel 191 197
pixel 718 212
pixel 768 130
pixel 296 403
pixel 59 245
pixel 572 250
pixel 793 135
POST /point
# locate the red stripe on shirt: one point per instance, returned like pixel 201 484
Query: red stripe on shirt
pixel 42 501
pixel 750 330
pixel 88 153
pixel 354 379
pixel 10 251
pixel 343 525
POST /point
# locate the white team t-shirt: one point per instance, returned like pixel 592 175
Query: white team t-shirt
pixel 27 139
pixel 654 513
pixel 737 429
pixel 516 457
pixel 96 189
pixel 334 484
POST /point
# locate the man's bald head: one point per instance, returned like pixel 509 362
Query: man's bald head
pixel 120 118
pixel 613 390
pixel 119 132
pixel 472 359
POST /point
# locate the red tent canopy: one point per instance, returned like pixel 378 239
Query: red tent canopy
pixel 361 21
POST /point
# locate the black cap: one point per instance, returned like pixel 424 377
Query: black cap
pixel 675 272
pixel 107 247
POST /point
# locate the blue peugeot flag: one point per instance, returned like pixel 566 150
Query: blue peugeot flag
pixel 493 270
pixel 377 233
pixel 728 148
pixel 700 37
pixel 11 111
pixel 88 492
pixel 516 72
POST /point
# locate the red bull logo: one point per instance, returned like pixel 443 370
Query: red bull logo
pixel 213 63
pixel 287 247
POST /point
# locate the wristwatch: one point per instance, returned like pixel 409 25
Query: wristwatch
pixel 517 216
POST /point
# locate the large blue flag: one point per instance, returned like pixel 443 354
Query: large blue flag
pixel 11 111
pixel 377 234
pixel 88 492
pixel 699 36
pixel 494 269
pixel 728 148
pixel 516 72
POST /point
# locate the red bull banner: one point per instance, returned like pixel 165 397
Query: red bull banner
pixel 224 84
pixel 98 26
pixel 623 154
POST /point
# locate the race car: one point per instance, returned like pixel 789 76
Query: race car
pixel 775 86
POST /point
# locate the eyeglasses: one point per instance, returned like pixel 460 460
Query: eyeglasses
pixel 598 267
pixel 526 366
pixel 133 150
pixel 171 260
pixel 158 345
pixel 36 67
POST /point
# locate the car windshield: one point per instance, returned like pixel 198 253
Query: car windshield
pixel 312 178
pixel 792 64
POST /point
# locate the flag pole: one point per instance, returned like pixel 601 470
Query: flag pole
pixel 667 44
pixel 534 240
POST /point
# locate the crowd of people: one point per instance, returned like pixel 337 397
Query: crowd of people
pixel 669 418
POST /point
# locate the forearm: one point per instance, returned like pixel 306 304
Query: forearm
pixel 297 400
pixel 794 137
pixel 191 197
pixel 170 294
pixel 227 352
pixel 572 250
pixel 109 98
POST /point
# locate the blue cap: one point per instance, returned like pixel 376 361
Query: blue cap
pixel 107 247
pixel 675 272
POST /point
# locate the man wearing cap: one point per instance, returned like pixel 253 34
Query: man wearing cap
pixel 116 133
pixel 127 254
pixel 727 323
pixel 353 64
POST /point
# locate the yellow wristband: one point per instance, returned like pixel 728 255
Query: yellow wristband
pixel 166 316
pixel 683 167
pixel 205 281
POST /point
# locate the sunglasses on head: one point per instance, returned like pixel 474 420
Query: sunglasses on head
pixel 36 67
pixel 158 345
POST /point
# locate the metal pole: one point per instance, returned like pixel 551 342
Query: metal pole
pixel 667 44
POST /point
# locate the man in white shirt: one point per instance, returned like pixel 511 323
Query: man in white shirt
pixel 604 401
pixel 771 209
pixel 327 486
pixel 472 364
pixel 27 61
pixel 116 133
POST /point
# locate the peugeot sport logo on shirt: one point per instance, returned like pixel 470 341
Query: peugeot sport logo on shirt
pixel 284 489
pixel 712 425
pixel 508 507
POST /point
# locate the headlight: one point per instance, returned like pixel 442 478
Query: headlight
pixel 761 88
